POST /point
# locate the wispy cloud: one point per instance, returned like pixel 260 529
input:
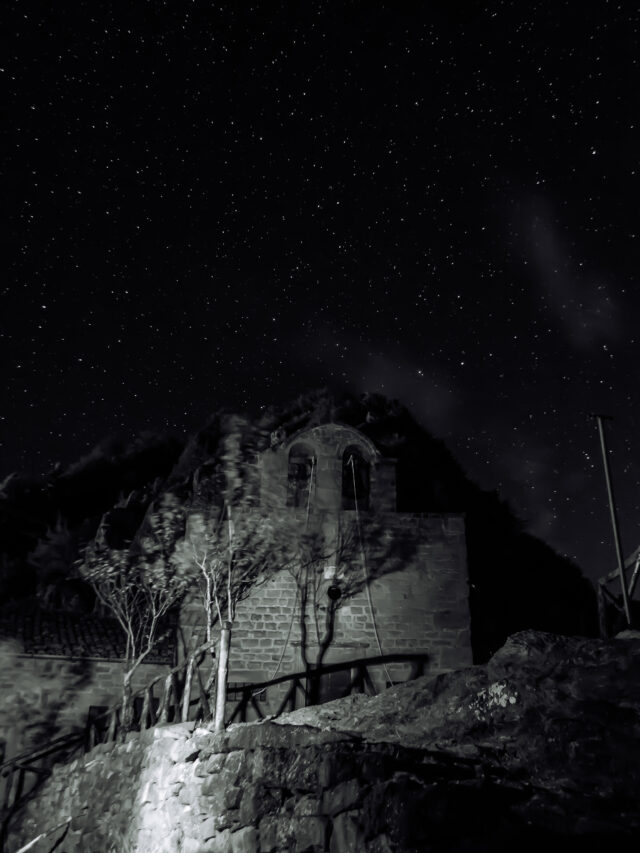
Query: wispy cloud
pixel 380 367
pixel 577 294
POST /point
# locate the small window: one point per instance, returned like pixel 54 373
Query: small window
pixel 355 479
pixel 300 476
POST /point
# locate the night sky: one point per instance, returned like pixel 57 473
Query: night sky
pixel 229 204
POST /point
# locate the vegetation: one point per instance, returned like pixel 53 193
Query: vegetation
pixel 139 584
pixel 230 544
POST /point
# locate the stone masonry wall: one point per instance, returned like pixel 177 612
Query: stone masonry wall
pixel 254 789
pixel 45 697
pixel 421 607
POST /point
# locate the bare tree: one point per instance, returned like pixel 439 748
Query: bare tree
pixel 139 585
pixel 230 543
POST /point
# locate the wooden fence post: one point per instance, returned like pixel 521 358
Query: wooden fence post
pixel 113 725
pixel 602 613
pixel 186 696
pixel 144 714
pixel 163 710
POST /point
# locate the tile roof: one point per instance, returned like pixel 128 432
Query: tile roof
pixel 76 635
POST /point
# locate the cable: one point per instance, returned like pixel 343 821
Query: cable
pixel 364 567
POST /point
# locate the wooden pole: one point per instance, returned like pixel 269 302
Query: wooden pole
pixel 223 672
pixel 614 518
pixel 602 613
pixel 186 696
pixel 144 714
pixel 163 711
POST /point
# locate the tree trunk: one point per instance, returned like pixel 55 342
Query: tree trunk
pixel 211 679
pixel 126 718
pixel 330 624
pixel 223 672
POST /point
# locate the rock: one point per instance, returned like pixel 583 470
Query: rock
pixel 379 844
pixel 220 843
pixel 306 806
pixel 183 751
pixel 341 798
pixel 347 836
pixel 215 762
pixel 245 840
pixel 257 802
pixel 268 833
pixel 310 835
pixel 173 731
pixel 628 634
pixel 233 764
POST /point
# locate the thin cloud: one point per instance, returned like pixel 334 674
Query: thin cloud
pixel 579 297
pixel 427 390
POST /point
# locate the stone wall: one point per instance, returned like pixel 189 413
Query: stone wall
pixel 419 606
pixel 254 789
pixel 44 697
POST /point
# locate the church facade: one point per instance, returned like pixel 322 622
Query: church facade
pixel 399 586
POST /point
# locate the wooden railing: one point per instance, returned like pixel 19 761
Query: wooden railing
pixel 24 772
pixel 360 682
pixel 609 601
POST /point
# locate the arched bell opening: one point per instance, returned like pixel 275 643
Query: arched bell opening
pixel 300 476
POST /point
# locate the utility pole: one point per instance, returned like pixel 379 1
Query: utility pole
pixel 614 515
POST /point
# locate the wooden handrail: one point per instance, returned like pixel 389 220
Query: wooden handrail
pixel 362 677
pixel 398 657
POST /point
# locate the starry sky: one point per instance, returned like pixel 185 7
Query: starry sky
pixel 231 203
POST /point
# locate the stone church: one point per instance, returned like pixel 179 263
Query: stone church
pixel 404 587
pixel 401 588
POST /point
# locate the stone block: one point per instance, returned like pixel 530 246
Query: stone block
pixel 208 828
pixel 183 751
pixel 200 768
pixel 341 798
pixel 245 840
pixel 306 806
pixel 257 802
pixel 186 795
pixel 232 797
pixel 215 762
pixel 268 833
pixel 347 835
pixel 220 843
pixel 191 845
pixel 234 764
pixel 336 767
pixel 267 765
pixel 214 794
pixel 174 731
pixel 311 833
pixel 379 844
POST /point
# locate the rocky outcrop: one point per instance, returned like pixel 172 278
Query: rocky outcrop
pixel 562 711
pixel 539 746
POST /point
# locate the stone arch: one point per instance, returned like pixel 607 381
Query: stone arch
pixel 300 474
pixel 335 436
